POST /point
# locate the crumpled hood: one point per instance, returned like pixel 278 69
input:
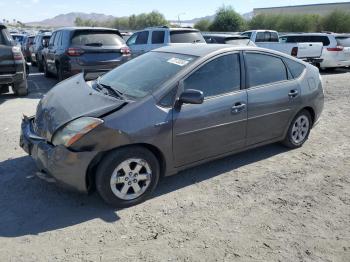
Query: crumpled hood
pixel 68 100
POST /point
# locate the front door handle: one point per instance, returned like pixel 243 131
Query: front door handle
pixel 238 107
pixel 293 93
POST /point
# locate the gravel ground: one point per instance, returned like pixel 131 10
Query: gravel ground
pixel 267 204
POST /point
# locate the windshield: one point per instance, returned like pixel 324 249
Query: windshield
pixel 343 41
pixel 18 38
pixel 146 73
pixel 102 38
pixel 186 36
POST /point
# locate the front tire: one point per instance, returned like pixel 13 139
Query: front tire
pixel 299 130
pixel 127 176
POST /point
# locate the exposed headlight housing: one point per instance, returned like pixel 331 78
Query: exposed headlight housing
pixel 75 130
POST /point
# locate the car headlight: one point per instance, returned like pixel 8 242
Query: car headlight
pixel 75 130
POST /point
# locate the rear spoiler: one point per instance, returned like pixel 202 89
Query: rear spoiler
pixel 91 74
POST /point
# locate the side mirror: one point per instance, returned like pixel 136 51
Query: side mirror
pixel 191 96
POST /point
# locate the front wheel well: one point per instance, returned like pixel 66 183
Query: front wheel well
pixel 91 171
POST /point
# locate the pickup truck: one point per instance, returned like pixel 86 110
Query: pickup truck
pixel 310 52
pixel 13 68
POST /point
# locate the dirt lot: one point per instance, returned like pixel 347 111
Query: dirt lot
pixel 268 204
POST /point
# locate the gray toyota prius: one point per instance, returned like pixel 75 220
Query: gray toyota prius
pixel 167 110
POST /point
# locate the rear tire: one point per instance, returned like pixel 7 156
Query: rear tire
pixel 46 70
pixel 41 65
pixel 59 73
pixel 21 89
pixel 299 130
pixel 127 176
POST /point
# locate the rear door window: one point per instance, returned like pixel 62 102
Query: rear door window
pixel 217 77
pixel 186 36
pixel 343 41
pixel 265 69
pixel 158 37
pixel 96 38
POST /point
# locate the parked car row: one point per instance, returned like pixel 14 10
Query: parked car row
pixel 325 50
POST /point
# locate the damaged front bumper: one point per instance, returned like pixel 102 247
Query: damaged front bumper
pixel 56 163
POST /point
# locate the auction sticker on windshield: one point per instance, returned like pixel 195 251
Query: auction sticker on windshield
pixel 178 61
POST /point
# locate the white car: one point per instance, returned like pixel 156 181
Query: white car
pixel 309 52
pixel 336 47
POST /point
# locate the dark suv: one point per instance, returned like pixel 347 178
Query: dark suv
pixel 12 65
pixel 40 41
pixel 89 49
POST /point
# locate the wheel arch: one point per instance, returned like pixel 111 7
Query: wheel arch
pixel 311 111
pixel 91 171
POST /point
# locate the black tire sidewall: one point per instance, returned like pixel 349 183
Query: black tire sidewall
pixel 108 165
pixel 289 141
pixel 46 70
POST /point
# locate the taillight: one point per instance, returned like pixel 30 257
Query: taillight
pixel 75 51
pixel 294 51
pixel 336 49
pixel 17 53
pixel 125 50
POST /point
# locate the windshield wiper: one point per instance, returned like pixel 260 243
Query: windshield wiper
pixel 116 93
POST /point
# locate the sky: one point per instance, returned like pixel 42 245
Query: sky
pixel 37 10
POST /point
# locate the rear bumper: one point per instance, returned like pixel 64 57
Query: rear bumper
pixel 12 78
pixel 56 163
pixel 74 67
pixel 313 61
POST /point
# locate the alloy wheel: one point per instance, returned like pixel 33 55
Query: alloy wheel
pixel 131 179
pixel 300 129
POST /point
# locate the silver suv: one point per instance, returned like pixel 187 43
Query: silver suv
pixel 154 37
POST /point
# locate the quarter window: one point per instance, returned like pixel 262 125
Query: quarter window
pixel 219 76
pixel 265 69
pixel 158 37
pixel 294 67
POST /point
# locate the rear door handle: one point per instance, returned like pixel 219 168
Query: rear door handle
pixel 293 93
pixel 238 107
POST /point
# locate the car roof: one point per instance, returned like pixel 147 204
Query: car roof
pixel 226 35
pixel 202 50
pixel 309 34
pixel 260 30
pixel 170 28
pixel 74 28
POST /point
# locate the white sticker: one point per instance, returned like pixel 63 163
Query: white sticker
pixel 178 61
